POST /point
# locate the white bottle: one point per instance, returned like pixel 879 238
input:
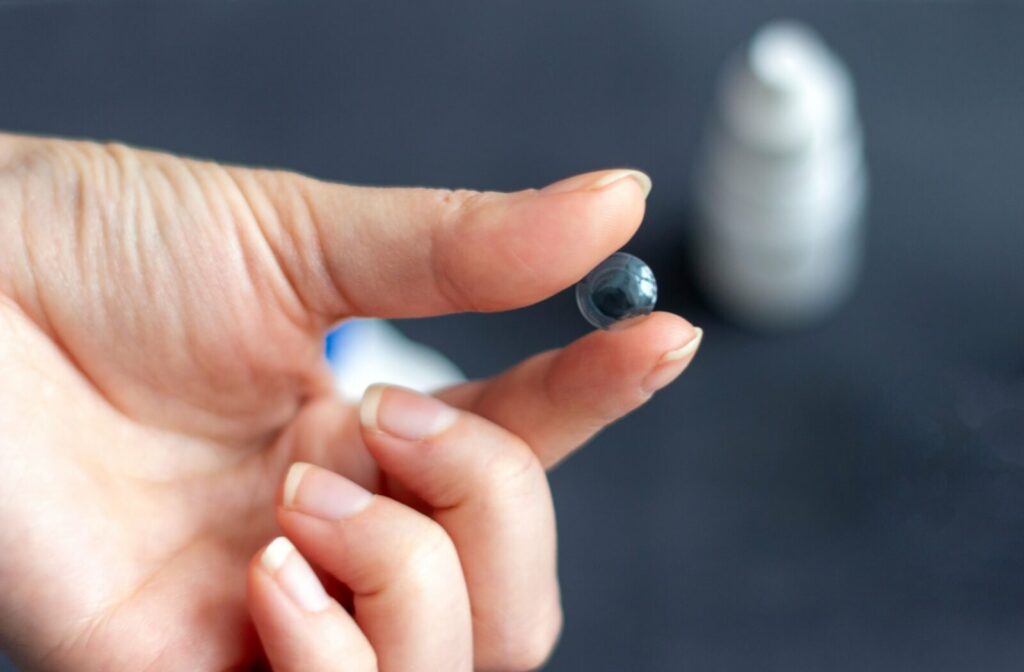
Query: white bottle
pixel 365 351
pixel 782 183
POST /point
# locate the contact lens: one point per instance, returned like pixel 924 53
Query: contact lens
pixel 621 287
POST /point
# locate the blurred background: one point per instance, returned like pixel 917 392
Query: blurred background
pixel 844 497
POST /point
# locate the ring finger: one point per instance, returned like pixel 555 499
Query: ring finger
pixel 409 592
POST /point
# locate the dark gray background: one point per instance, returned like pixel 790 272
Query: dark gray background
pixel 846 498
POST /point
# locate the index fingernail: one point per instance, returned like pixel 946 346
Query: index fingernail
pixel 600 180
pixel 611 178
pixel 672 363
pixel 685 351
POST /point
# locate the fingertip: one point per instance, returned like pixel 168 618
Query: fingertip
pixel 369 405
pixel 513 251
pixel 593 221
pixel 300 626
pixel 275 554
pixel 286 568
pixel 632 350
pixel 663 333
pixel 647 355
pixel 292 480
pixel 599 179
pixel 267 602
pixel 557 400
pixel 604 376
pixel 685 351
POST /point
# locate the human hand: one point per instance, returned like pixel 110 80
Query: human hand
pixel 161 325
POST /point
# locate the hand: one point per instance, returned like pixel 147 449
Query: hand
pixel 161 369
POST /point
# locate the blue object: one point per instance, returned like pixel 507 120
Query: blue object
pixel 338 340
pixel 621 287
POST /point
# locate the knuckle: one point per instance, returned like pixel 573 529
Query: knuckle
pixel 451 265
pixel 20 157
pixel 362 658
pixel 90 175
pixel 117 152
pixel 453 203
pixel 54 165
pixel 529 648
pixel 515 469
pixel 431 546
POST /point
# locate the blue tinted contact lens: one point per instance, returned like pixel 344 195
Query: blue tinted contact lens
pixel 621 287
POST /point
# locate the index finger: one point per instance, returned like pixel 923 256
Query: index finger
pixel 388 252
pixel 557 400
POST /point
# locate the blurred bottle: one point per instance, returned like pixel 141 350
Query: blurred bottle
pixel 782 183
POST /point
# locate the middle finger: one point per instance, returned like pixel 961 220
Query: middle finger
pixel 490 493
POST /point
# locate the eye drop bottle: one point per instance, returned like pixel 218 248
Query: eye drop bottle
pixel 781 186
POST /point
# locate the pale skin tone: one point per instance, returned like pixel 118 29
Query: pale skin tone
pixel 161 374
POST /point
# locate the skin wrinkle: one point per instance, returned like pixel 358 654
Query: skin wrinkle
pixel 27 360
pixel 529 269
pixel 183 187
pixel 211 366
pixel 29 168
pixel 134 205
pixel 77 638
pixel 85 628
pixel 347 304
pixel 50 328
pixel 83 161
pixel 18 231
pixel 74 167
pixel 243 250
pixel 207 530
pixel 456 205
pixel 289 306
pixel 307 379
pixel 99 209
pixel 157 206
pixel 408 564
pixel 84 215
pixel 105 614
pixel 216 511
pixel 138 207
pixel 318 260
pixel 549 623
pixel 79 222
pixel 549 378
pixel 22 227
pixel 159 173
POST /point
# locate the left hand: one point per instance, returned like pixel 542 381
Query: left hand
pixel 161 368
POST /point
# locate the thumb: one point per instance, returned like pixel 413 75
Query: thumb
pixel 390 252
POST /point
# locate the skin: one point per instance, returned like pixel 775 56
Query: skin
pixel 161 324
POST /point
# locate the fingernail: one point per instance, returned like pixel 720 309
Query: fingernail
pixel 599 180
pixel 294 575
pixel 611 178
pixel 404 413
pixel 685 351
pixel 317 492
pixel 672 363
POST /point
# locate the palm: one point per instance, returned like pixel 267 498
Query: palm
pixel 174 389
